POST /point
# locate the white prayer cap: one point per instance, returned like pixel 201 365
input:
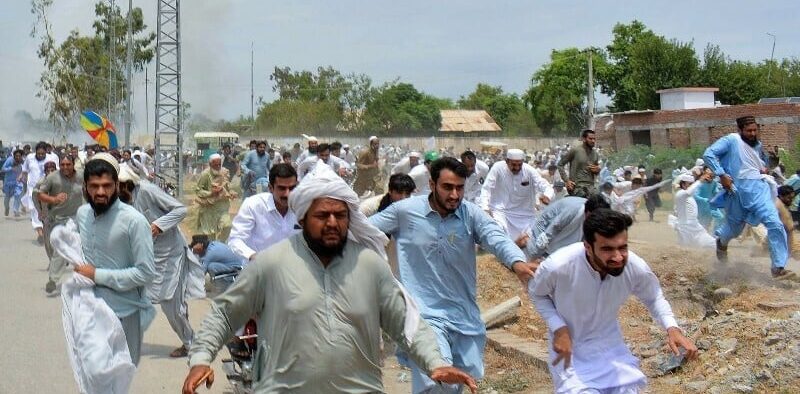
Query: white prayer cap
pixel 515 154
pixel 699 163
pixel 373 138
pixel 215 156
pixel 346 146
pixel 311 138
pixel 107 157
pixel 686 178
pixel 322 182
pixel 126 174
pixel 414 154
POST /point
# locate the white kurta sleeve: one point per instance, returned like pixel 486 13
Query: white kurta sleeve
pixel 540 290
pixel 486 190
pixel 542 185
pixel 241 229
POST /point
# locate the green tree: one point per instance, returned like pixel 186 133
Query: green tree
pixel 401 107
pixel 285 116
pixel 557 96
pixel 77 70
pixel 501 106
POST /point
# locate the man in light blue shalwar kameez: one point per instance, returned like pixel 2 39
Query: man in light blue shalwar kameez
pixel 436 236
pixel 739 161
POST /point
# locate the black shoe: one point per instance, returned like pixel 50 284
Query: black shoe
pixel 781 273
pixel 50 287
pixel 722 252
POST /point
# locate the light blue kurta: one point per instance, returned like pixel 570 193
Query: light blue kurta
pixel 436 258
pixel 751 202
pixel 120 246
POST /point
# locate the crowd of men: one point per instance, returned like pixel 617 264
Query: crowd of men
pixel 329 260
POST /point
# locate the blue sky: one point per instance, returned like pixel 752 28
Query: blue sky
pixel 443 47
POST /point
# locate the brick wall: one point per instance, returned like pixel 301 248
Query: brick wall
pixel 678 137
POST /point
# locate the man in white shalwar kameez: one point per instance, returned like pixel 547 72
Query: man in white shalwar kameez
pixel 422 174
pixel 175 271
pixel 690 232
pixel 627 202
pixel 405 164
pixel 339 166
pixel 478 170
pixel 264 219
pixel 509 193
pixel 588 353
pixel 32 172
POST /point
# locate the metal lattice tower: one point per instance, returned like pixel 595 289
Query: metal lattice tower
pixel 169 133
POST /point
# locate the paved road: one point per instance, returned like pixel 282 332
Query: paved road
pixel 35 355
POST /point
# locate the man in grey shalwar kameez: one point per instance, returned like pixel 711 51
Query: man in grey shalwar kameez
pixel 174 269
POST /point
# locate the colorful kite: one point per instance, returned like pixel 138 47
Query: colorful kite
pixel 100 129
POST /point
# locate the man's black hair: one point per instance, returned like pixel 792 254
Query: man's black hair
pixel 607 186
pixel 199 239
pixel 586 132
pixel 636 181
pixel 594 202
pixel 262 142
pixel 281 170
pixel 336 145
pixel 98 167
pixel 323 147
pixel 627 172
pixel 468 154
pixel 68 157
pixel 20 151
pixel 40 145
pixel 784 190
pixel 252 142
pixel 605 222
pixel 401 183
pixel 448 163
pixel 657 171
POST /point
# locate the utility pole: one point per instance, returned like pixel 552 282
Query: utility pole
pixel 252 96
pixel 128 76
pixel 771 56
pixel 146 102
pixel 590 94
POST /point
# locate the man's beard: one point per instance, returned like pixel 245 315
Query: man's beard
pixel 320 249
pixel 442 204
pixel 261 153
pixel 607 269
pixel 312 149
pixel 751 142
pixel 100 209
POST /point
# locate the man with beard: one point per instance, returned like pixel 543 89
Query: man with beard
pixel 589 354
pixel 174 269
pixel 368 165
pixel 477 170
pixel 509 193
pixel 584 166
pixel 117 243
pixel 264 219
pixel 214 198
pixel 255 167
pixel 322 298
pixel 313 143
pixel 62 193
pixel 324 155
pixel 740 163
pixel 32 172
pixel 436 236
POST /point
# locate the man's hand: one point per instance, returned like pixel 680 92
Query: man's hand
pixel 593 168
pixel 342 171
pixel 216 189
pixel 155 230
pixel 676 340
pixel 522 241
pixel 544 199
pixel 450 375
pixel 60 198
pixel 726 181
pixel 562 345
pixel 524 271
pixel 197 375
pixel 570 185
pixel 86 270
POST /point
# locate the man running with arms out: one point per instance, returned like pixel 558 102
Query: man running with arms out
pixel 322 298
pixel 436 236
pixel 588 353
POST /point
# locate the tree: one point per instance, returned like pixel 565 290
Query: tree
pixel 557 96
pixel 77 70
pixel 501 106
pixel 285 116
pixel 401 107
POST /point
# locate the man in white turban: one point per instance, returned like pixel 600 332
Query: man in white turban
pixel 509 193
pixel 322 297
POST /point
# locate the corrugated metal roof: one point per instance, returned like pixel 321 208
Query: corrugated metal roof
pixel 467 121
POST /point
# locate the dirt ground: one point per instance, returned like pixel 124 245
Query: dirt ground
pixel 689 278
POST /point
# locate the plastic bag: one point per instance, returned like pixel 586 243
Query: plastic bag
pixel 96 342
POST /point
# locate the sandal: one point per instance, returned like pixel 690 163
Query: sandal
pixel 180 352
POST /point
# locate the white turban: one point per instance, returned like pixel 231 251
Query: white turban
pixel 699 163
pixel 108 158
pixel 373 138
pixel 322 182
pixel 346 146
pixel 515 154
pixel 215 156
pixel 126 173
pixel 686 178
pixel 414 154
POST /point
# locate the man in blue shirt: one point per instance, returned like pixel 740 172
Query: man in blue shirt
pixel 255 166
pixel 436 236
pixel 12 168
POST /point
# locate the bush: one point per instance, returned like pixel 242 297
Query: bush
pixel 667 159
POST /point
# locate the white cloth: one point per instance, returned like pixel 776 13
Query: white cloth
pixel 370 206
pixel 515 154
pixel 35 171
pixel 626 203
pixel 511 198
pixel 258 225
pixel 600 358
pixel 473 183
pixel 334 163
pixel 690 232
pixel 322 182
pixel 98 351
pixel 751 162
pixel 403 166
pixel 422 178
